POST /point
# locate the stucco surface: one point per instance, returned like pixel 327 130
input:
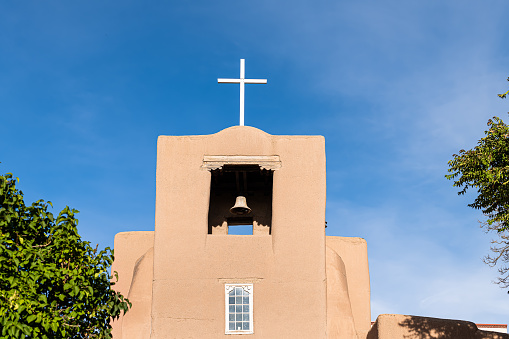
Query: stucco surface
pixel 354 253
pixel 340 321
pixel 128 248
pixel 136 323
pixel 397 326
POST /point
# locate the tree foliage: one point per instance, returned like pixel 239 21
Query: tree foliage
pixel 52 283
pixel 486 169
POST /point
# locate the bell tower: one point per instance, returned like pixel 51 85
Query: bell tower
pixel 210 280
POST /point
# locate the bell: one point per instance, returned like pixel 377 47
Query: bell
pixel 240 207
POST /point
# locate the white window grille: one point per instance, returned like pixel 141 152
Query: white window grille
pixel 239 308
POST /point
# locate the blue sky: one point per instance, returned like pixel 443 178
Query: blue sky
pixel 396 87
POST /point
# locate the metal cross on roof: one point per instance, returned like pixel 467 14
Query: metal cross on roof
pixel 242 81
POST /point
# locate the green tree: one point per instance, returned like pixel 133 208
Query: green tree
pixel 52 283
pixel 486 169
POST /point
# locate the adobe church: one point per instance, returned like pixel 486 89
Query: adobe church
pixel 194 276
pixel 191 278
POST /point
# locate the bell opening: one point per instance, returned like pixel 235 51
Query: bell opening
pixel 231 182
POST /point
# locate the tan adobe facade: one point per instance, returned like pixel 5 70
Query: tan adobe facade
pixel 192 278
pixel 176 276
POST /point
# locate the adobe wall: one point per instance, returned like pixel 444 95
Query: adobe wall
pixel 286 268
pixel 340 320
pixel 353 253
pixel 136 322
pixel 397 326
pixel 341 283
pixel 128 248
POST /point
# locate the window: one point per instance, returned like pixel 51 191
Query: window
pixel 239 308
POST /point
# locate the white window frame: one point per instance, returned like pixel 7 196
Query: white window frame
pixel 227 289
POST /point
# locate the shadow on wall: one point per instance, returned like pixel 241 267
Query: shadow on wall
pixel 396 326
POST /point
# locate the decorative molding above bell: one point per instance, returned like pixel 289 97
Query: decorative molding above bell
pixel 240 207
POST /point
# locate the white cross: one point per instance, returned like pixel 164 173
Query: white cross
pixel 242 81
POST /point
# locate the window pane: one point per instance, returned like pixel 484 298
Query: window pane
pixel 238 290
pixel 238 326
pixel 245 317
pixel 231 300
pixel 245 308
pixel 231 317
pixel 238 300
pixel 231 326
pixel 245 326
pixel 232 293
pixel 238 308
pixel 245 300
pixel 231 309
pixel 238 317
